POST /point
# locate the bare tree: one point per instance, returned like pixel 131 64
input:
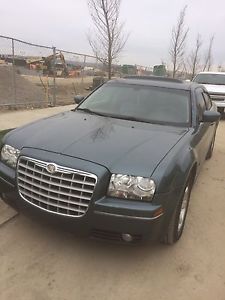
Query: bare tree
pixel 184 68
pixel 107 40
pixel 194 59
pixel 178 40
pixel 208 58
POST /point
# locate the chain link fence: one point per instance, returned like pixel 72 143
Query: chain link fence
pixel 39 76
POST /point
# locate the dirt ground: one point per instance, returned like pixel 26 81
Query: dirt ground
pixel 26 91
pixel 34 91
pixel 41 263
pixel 66 88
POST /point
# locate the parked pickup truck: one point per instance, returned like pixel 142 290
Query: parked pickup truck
pixel 214 82
pixel 121 165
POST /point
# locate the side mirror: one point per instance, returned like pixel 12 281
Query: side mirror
pixel 210 116
pixel 78 99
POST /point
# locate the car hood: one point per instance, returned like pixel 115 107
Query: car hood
pixel 119 145
pixel 215 89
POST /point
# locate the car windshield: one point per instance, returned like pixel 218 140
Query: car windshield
pixel 210 79
pixel 140 103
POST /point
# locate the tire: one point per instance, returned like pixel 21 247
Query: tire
pixel 176 226
pixel 211 148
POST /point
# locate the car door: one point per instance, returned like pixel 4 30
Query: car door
pixel 203 130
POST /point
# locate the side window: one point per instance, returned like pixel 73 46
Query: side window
pixel 201 107
pixel 208 101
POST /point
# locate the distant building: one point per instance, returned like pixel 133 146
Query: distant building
pixel 129 70
pixel 159 70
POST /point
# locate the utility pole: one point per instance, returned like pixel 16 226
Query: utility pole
pixel 54 76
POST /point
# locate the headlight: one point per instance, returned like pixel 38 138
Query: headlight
pixel 9 155
pixel 131 187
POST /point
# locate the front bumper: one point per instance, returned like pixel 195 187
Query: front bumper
pixel 141 219
pixel 146 227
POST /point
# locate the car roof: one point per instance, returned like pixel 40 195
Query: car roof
pixel 212 73
pixel 156 82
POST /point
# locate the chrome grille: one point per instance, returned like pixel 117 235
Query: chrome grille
pixel 66 192
pixel 217 97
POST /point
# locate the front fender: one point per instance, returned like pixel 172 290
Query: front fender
pixel 174 169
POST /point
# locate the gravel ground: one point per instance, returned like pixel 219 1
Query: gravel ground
pixel 41 263
pixel 30 92
pixel 27 93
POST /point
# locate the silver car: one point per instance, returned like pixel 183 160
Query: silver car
pixel 214 82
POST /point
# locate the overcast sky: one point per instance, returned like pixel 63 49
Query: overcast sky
pixel 64 24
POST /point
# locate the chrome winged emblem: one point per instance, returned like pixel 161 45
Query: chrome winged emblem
pixel 51 168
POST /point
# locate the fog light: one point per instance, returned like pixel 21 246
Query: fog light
pixel 127 237
pixel 3 195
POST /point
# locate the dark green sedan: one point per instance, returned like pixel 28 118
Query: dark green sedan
pixel 120 166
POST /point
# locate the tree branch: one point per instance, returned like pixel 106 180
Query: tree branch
pixel 107 39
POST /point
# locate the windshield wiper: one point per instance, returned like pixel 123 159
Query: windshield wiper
pixel 129 118
pixel 121 117
pixel 89 111
pixel 132 118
